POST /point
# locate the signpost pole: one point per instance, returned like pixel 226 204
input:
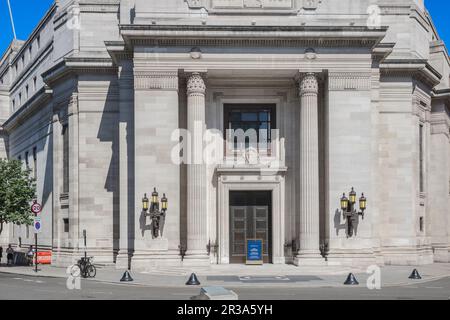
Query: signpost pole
pixel 36 249
pixel 36 209
pixel 85 247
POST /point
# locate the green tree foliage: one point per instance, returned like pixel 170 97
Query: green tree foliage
pixel 17 191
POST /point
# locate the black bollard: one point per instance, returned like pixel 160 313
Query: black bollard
pixel 126 277
pixel 415 275
pixel 351 280
pixel 193 280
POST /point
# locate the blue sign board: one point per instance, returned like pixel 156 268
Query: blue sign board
pixel 254 251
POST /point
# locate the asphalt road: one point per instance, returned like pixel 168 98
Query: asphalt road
pixel 30 288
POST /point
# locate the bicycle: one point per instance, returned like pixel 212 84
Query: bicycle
pixel 87 269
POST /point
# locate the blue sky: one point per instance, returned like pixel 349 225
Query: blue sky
pixel 27 14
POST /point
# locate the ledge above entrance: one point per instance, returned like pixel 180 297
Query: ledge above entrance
pixel 250 170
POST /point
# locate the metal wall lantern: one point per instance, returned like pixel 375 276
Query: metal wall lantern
pixel 154 212
pixel 349 211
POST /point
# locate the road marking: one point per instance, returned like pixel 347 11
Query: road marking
pixel 29 280
pixel 434 288
pixel 99 292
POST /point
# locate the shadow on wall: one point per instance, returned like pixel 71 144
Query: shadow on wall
pixel 48 174
pixel 144 226
pixel 344 226
pixel 109 132
pixel 337 222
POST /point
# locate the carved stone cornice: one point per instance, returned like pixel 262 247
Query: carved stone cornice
pixel 78 65
pixel 252 36
pixel 118 51
pixel 156 80
pixel 29 108
pixel 419 70
pixel 339 81
pixel 195 84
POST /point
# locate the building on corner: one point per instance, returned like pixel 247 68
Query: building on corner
pixel 108 99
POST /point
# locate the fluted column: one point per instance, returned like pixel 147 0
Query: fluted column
pixel 309 172
pixel 197 224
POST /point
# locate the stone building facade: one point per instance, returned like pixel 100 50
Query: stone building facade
pixel 357 94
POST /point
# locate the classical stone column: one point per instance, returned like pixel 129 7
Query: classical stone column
pixel 309 252
pixel 197 222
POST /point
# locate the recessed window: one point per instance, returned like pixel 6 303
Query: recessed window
pixel 26 92
pixel 255 120
pixel 35 162
pixel 38 41
pixel 30 51
pixel 66 225
pixel 34 84
pixel 65 136
pixel 421 158
pixel 20 99
pixel 23 61
pixel 421 224
pixel 14 104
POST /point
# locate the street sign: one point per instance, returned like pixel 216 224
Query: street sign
pixel 37 225
pixel 36 208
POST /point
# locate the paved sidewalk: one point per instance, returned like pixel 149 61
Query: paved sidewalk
pixel 252 276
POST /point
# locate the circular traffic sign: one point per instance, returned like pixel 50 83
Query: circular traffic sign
pixel 36 208
pixel 75 271
pixel 37 225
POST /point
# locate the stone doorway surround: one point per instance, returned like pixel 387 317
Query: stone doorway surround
pixel 251 179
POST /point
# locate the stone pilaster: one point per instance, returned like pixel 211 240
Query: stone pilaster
pixel 156 120
pixel 438 175
pixel 57 174
pixel 197 221
pixel 126 161
pixel 309 252
pixel 74 212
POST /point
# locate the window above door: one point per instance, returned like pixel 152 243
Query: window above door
pixel 248 127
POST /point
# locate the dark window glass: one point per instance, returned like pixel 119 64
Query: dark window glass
pixel 65 134
pixel 66 225
pixel 260 118
pixel 35 162
pixel 421 179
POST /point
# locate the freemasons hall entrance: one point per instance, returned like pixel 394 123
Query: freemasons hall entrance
pixel 250 218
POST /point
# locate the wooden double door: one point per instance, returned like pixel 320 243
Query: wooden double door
pixel 250 218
